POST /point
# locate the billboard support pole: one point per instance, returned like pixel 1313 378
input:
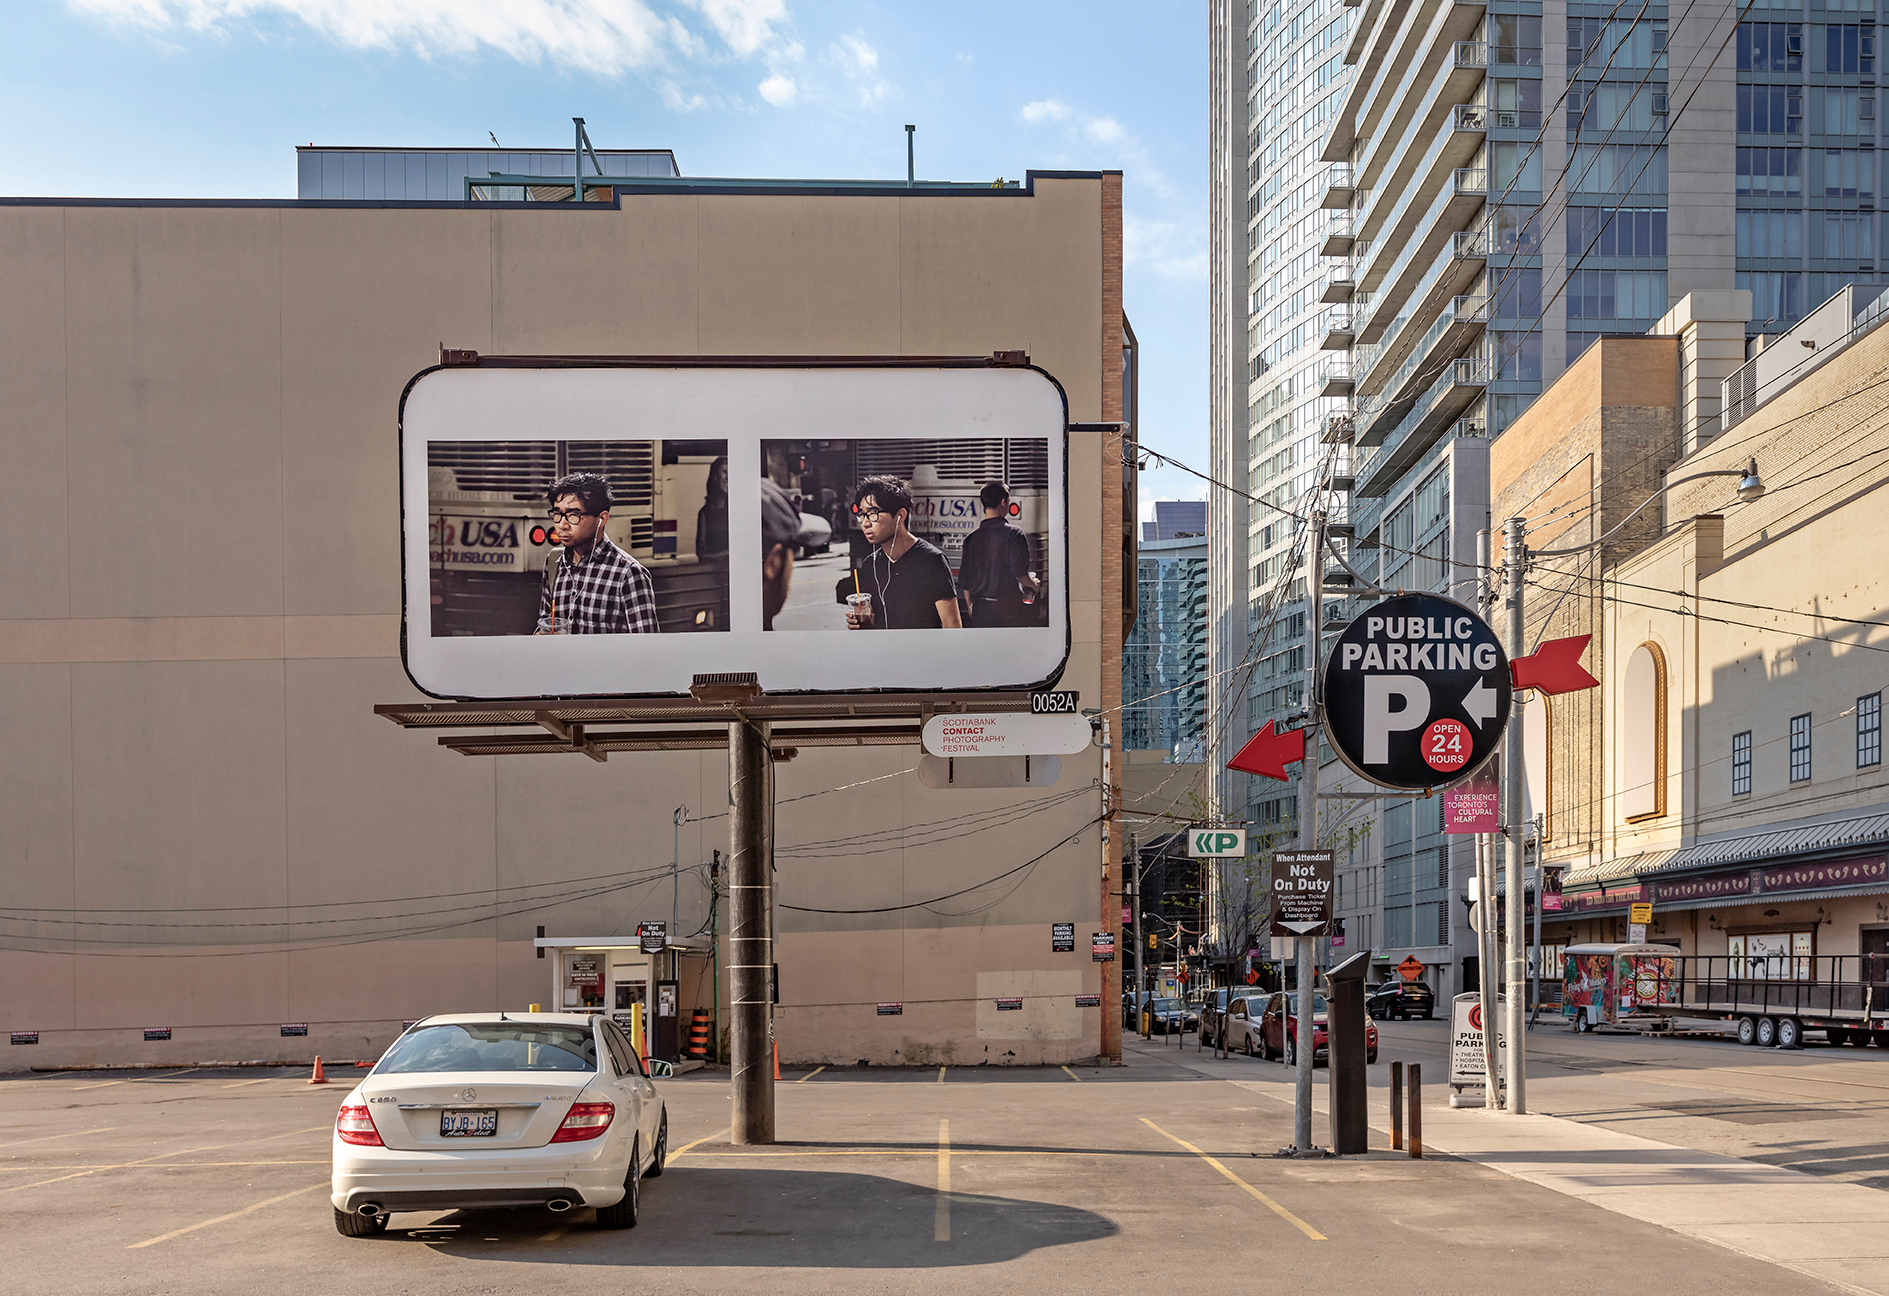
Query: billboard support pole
pixel 1307 1045
pixel 1486 946
pixel 1514 560
pixel 750 934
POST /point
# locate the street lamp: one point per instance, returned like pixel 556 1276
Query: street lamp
pixel 1750 487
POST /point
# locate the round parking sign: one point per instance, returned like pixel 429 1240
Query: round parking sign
pixel 1416 692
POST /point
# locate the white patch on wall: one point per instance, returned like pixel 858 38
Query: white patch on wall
pixel 1049 1009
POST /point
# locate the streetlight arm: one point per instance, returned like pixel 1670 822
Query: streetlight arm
pixel 1750 487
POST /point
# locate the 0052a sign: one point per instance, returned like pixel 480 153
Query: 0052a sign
pixel 1215 843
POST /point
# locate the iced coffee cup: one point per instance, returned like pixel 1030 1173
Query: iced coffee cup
pixel 859 611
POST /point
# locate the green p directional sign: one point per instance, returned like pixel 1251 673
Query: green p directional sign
pixel 1206 843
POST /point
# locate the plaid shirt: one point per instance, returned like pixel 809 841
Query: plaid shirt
pixel 608 593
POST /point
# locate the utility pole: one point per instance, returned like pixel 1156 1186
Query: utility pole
pixel 1132 875
pixel 1486 946
pixel 1308 833
pixel 676 820
pixel 1541 885
pixel 750 933
pixel 1515 557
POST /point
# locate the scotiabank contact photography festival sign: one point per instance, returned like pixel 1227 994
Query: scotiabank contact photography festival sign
pixel 619 529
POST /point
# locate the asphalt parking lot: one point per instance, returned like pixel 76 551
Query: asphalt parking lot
pixel 885 1180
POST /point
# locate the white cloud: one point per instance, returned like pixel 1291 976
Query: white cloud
pixel 778 90
pixel 608 37
pixel 746 25
pixel 676 100
pixel 853 54
pixel 1170 248
pixel 1044 110
pixel 1104 130
pixel 873 95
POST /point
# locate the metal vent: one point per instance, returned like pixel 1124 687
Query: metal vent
pixel 521 469
pixel 630 466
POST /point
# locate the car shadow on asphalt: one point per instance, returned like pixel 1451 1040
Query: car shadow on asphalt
pixel 755 1218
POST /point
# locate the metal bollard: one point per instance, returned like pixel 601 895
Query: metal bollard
pixel 1416 1111
pixel 1397 1106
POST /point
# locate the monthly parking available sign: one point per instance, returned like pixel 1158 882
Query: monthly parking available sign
pixel 1416 692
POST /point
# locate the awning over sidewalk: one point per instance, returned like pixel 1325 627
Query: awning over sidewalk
pixel 1814 841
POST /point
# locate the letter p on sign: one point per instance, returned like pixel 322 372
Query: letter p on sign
pixel 1215 843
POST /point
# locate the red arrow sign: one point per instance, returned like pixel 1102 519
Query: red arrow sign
pixel 1554 667
pixel 1268 753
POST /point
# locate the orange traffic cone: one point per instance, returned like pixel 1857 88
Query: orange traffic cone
pixel 320 1076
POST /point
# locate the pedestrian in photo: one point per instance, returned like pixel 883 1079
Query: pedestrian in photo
pixel 781 534
pixel 711 520
pixel 995 567
pixel 905 582
pixel 591 586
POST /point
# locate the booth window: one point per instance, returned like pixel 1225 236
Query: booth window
pixel 1869 730
pixel 1643 736
pixel 1741 763
pixel 1800 748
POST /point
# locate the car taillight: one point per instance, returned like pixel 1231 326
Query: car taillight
pixel 356 1125
pixel 586 1121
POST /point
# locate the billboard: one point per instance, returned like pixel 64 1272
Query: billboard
pixel 564 527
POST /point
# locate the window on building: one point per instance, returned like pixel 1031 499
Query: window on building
pixel 1847 237
pixel 1848 49
pixel 1518 295
pixel 1770 172
pixel 1516 38
pixel 1516 166
pixel 1846 173
pixel 1847 111
pixel 1770 110
pixel 1869 730
pixel 1741 763
pixel 1643 735
pixel 1770 47
pixel 1770 234
pixel 1618 169
pixel 1617 294
pixel 1608 231
pixel 1777 296
pixel 1800 748
pixel 1518 356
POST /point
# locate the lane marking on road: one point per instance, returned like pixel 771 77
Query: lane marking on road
pixel 106 1084
pixel 174 1165
pixel 235 1214
pixel 1072 1074
pixel 553 1235
pixel 941 1075
pixel 1271 1205
pixel 238 1084
pixel 914 1151
pixel 46 1137
pixel 941 1220
pixel 810 1075
pixel 686 1148
pixel 164 1156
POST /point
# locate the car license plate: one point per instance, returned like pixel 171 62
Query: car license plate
pixel 480 1123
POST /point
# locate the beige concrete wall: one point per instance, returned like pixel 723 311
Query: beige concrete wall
pixel 201 608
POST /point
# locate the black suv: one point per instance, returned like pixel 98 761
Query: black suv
pixel 1213 1011
pixel 1402 1000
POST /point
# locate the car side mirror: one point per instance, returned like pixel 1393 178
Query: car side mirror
pixel 660 1070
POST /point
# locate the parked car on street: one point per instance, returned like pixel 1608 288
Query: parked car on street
pixel 1279 1030
pixel 1241 1024
pixel 1400 999
pixel 1213 1011
pixel 548 1111
pixel 1169 1016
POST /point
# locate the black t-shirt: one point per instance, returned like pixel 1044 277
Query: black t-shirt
pixel 996 559
pixel 905 594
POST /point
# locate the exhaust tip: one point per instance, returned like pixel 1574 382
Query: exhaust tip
pixel 559 1204
pixel 369 1209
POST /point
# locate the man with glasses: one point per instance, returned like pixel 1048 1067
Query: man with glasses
pixel 595 587
pixel 908 579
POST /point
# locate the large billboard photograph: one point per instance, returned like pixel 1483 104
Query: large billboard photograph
pixel 731 504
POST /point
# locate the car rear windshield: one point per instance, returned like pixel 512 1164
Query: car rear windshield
pixel 1166 1005
pixel 491 1046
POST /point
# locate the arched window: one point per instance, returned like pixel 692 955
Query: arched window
pixel 1643 735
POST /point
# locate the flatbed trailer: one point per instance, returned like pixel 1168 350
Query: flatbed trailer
pixel 1763 999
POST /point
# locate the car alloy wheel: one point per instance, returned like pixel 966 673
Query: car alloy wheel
pixel 625 1213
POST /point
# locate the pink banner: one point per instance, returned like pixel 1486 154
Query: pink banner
pixel 1472 807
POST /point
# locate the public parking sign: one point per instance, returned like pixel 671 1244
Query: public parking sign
pixel 1215 843
pixel 1416 692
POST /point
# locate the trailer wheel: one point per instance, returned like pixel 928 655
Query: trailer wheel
pixel 1586 1023
pixel 1789 1034
pixel 1747 1031
pixel 1767 1033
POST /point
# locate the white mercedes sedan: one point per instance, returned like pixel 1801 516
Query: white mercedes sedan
pixel 550 1111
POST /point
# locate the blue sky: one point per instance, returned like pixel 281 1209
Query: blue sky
pixel 208 98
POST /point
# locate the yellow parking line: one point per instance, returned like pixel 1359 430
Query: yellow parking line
pixel 1072 1074
pixel 810 1075
pixel 192 1228
pixel 553 1235
pixel 686 1148
pixel 940 1075
pixel 238 1084
pixel 941 1218
pixel 106 1084
pixel 46 1137
pixel 1272 1205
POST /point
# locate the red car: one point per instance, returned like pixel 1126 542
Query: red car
pixel 1279 1030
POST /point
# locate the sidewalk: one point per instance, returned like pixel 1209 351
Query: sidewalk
pixel 1835 1232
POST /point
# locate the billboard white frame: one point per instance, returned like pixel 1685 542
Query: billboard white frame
pixel 743 404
